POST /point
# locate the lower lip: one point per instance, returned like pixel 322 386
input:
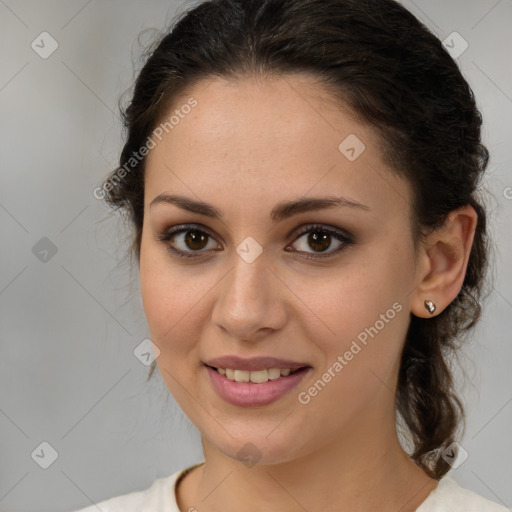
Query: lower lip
pixel 245 394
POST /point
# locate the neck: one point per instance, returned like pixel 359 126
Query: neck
pixel 366 470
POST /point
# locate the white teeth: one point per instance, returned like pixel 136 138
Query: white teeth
pixel 274 373
pixel 242 375
pixel 258 376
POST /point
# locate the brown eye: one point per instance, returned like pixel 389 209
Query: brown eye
pixel 196 240
pixel 319 240
pixel 188 241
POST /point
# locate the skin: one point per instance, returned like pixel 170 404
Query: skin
pixel 247 145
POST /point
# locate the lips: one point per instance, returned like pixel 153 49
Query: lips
pixel 254 363
pixel 250 394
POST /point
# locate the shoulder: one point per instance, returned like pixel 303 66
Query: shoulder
pixel 449 496
pixel 154 498
pixel 160 497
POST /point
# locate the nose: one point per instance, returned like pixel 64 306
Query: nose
pixel 250 301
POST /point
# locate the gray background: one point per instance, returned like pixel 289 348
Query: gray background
pixel 69 325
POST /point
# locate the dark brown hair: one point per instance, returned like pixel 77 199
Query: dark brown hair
pixel 396 76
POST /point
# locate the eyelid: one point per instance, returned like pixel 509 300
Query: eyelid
pixel 339 234
pixel 326 228
pixel 183 228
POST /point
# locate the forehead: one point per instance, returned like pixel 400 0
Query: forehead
pixel 279 135
pixel 254 111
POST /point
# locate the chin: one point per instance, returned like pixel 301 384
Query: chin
pixel 252 450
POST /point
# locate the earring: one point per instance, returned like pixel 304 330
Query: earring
pixel 430 306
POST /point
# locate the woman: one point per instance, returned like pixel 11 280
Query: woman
pixel 301 177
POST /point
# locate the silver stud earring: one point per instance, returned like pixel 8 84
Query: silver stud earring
pixel 430 306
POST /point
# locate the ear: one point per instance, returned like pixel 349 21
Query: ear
pixel 443 261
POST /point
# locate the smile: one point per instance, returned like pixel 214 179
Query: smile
pixel 255 376
pixel 245 388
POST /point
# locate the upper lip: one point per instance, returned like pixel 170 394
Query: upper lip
pixel 253 363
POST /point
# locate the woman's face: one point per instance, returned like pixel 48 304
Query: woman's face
pixel 249 289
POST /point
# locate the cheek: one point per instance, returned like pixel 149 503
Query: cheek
pixel 162 295
pixel 360 350
pixel 174 302
pixel 366 312
pixel 165 307
pixel 156 294
pixel 352 301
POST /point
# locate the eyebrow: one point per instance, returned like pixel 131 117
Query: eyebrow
pixel 280 212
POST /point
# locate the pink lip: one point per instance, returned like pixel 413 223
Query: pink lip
pixel 246 394
pixel 253 363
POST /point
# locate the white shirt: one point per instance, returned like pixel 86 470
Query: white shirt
pixel 448 496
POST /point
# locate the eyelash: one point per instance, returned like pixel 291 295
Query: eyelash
pixel 318 228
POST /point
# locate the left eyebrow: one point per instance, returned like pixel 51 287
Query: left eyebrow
pixel 280 212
